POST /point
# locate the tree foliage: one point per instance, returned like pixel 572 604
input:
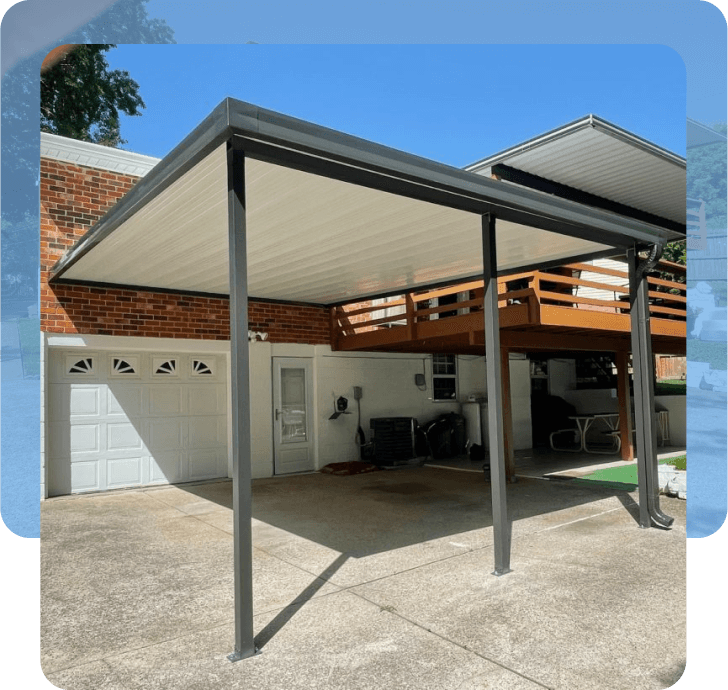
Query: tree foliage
pixel 675 251
pixel 126 21
pixel 706 180
pixel 80 97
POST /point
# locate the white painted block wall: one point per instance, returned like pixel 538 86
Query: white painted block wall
pixel 389 389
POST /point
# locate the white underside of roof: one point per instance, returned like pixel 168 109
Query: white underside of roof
pixel 595 162
pixel 309 239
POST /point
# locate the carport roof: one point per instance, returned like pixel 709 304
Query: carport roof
pixel 599 158
pixel 329 218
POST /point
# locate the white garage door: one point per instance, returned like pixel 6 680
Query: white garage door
pixel 128 419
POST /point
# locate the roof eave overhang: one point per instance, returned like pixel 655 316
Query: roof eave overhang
pixel 589 121
pixel 290 142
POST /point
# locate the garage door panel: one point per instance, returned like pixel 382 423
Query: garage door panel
pixel 166 434
pixel 165 401
pixel 205 400
pixel 124 472
pixel 125 401
pixel 206 432
pixel 84 401
pixel 84 476
pixel 204 464
pixel 85 438
pixel 166 467
pixel 123 436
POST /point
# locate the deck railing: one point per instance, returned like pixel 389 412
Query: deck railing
pixel 578 286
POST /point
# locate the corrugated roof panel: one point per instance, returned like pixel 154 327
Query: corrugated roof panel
pixel 313 237
pixel 309 238
pixel 593 161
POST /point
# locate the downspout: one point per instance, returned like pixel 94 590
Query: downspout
pixel 643 366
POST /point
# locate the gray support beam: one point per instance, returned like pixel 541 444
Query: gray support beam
pixel 501 525
pixel 240 377
pixel 643 366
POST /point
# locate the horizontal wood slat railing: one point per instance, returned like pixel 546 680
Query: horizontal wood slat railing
pixel 563 288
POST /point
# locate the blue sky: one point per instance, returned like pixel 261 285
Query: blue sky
pixel 697 30
pixel 453 103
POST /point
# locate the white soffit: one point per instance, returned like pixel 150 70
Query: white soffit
pixel 95 155
pixel 594 161
pixel 309 238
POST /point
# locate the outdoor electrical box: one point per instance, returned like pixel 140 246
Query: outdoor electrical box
pixel 357 392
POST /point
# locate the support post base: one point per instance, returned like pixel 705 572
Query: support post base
pixel 501 571
pixel 239 656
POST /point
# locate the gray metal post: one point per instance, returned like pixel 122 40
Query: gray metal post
pixel 643 367
pixel 501 525
pixel 240 375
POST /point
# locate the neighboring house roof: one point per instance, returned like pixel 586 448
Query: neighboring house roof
pixel 699 134
pixel 599 158
pixel 94 155
pixel 329 218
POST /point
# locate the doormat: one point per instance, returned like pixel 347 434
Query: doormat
pixel 346 469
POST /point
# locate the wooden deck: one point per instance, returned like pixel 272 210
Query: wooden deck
pixel 578 307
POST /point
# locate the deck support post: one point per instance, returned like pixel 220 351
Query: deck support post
pixel 501 525
pixel 240 379
pixel 625 405
pixel 507 416
pixel 643 365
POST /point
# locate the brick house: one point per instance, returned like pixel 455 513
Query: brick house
pixel 136 383
pixel 121 393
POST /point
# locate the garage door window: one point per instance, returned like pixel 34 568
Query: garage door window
pixel 200 368
pixel 123 367
pixel 165 367
pixel 81 367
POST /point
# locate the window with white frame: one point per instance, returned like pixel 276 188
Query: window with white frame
pixel 444 377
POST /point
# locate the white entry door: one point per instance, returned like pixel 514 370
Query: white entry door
pixel 292 415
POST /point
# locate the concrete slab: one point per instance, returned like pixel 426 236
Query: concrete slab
pixel 136 576
pixel 338 641
pixel 586 605
pixel 137 587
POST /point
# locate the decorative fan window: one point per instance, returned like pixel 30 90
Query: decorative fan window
pixel 165 367
pixel 200 368
pixel 82 366
pixel 122 366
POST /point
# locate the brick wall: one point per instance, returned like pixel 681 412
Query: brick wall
pixel 72 199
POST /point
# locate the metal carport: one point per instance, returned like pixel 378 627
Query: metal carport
pixel 255 203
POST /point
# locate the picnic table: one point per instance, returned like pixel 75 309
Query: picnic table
pixel 585 421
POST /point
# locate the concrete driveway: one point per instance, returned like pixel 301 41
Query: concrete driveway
pixel 371 581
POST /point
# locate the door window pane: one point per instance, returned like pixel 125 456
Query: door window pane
pixel 293 405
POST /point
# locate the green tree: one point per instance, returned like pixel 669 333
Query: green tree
pixel 675 252
pixel 126 21
pixel 81 97
pixel 706 180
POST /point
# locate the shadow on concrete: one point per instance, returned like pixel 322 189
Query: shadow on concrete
pixel 367 514
pixel 285 615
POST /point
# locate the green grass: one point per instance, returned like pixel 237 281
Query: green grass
pixel 704 351
pixel 29 335
pixel 673 387
pixel 680 462
pixel 624 478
